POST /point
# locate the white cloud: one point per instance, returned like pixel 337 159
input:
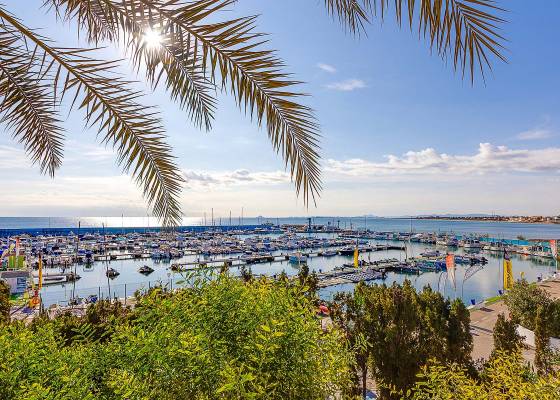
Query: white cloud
pixel 234 178
pixel 534 134
pixel 327 68
pixel 347 85
pixel 489 159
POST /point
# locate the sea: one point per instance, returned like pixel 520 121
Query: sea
pixel 504 230
pixel 472 284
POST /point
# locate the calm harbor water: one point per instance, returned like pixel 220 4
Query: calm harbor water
pixel 504 230
pixel 484 283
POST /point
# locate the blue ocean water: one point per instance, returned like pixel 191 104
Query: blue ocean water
pixel 505 230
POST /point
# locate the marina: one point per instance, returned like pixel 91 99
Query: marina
pixel 105 263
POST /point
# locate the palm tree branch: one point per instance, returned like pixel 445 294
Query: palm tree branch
pixel 467 31
pixel 131 128
pixel 183 76
pixel 28 105
pixel 230 49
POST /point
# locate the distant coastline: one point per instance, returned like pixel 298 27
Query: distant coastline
pixel 494 218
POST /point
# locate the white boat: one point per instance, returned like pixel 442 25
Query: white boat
pixel 472 244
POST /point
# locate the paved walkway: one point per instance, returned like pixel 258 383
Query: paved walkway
pixel 484 319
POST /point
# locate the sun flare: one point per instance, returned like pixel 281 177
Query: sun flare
pixel 152 39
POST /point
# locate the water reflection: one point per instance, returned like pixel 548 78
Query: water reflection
pixel 481 283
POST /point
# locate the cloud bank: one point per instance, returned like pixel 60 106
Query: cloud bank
pixel 488 159
pixel 234 178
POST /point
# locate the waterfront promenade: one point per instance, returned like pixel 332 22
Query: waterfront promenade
pixel 484 318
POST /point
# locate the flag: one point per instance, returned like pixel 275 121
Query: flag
pixel 356 257
pixel 508 274
pixel 554 248
pixel 40 272
pixel 450 265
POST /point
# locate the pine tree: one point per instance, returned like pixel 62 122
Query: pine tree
pixel 506 338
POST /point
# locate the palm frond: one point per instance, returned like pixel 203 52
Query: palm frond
pixel 352 14
pixel 184 77
pixel 227 53
pixel 467 31
pixel 27 106
pixel 134 130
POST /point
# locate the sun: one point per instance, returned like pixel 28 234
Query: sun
pixel 152 39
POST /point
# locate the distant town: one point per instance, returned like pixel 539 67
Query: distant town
pixel 529 219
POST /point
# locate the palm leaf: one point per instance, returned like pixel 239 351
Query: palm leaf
pixel 27 106
pixel 133 129
pixel 229 54
pixel 467 31
pixel 108 20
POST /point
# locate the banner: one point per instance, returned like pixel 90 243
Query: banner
pixel 508 274
pixel 450 265
pixel 356 257
pixel 554 248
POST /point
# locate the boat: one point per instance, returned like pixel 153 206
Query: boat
pixel 447 242
pixel 53 279
pixel 112 273
pixel 297 258
pixel 329 253
pixel 430 253
pixel 472 245
pixel 146 270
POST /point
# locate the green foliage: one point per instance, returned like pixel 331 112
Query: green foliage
pixel 4 303
pixel 523 300
pixel 403 330
pixel 219 339
pixel 503 377
pixel 506 338
pixel 543 352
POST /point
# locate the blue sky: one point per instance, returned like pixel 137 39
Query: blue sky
pixel 402 132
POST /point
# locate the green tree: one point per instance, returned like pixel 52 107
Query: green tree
pixel 523 301
pixel 348 312
pixel 395 330
pixel 543 351
pixel 4 303
pixel 193 52
pixel 506 338
pixel 459 338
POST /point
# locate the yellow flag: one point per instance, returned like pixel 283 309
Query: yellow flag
pixel 40 272
pixel 356 257
pixel 508 275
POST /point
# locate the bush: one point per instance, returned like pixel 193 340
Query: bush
pixel 219 339
pixel 503 377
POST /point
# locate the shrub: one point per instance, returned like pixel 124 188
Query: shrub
pixel 220 339
pixel 503 377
